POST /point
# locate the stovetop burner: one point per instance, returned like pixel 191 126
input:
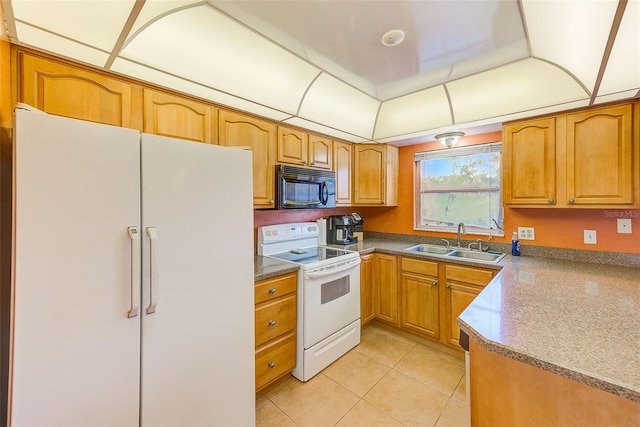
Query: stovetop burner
pixel 310 255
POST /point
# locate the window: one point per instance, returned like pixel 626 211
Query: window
pixel 460 185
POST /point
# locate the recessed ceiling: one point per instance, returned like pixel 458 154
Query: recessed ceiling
pixel 321 65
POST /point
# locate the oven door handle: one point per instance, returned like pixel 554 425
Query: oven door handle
pixel 326 273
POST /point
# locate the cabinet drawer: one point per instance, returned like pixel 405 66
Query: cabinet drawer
pixel 275 359
pixel 275 318
pixel 475 276
pixel 276 287
pixel 419 266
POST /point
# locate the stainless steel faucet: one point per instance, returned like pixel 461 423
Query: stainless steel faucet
pixel 464 231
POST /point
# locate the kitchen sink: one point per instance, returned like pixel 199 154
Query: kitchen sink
pixel 478 256
pixel 431 249
pixel 449 252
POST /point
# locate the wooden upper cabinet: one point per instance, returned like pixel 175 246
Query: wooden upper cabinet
pixel 74 92
pixel 320 151
pixel 587 159
pixel 299 148
pixel 600 157
pixel 529 162
pixel 239 130
pixel 375 174
pixel 178 117
pixel 292 146
pixel 342 155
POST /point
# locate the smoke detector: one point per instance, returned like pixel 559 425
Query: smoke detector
pixel 393 37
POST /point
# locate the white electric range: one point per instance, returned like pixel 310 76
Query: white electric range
pixel 328 323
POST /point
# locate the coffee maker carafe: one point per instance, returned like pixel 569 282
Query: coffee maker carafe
pixel 340 230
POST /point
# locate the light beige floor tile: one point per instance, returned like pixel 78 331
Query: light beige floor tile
pixel 284 385
pixel 261 401
pixel 318 402
pixel 456 414
pixel 270 415
pixel 357 372
pixel 461 391
pixel 384 346
pixel 366 415
pixel 433 368
pixel 407 400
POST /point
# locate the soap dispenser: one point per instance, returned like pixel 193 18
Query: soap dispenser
pixel 515 244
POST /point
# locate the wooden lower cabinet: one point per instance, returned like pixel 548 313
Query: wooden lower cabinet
pixel 419 299
pixel 275 328
pixel 385 288
pixel 462 285
pixel 366 289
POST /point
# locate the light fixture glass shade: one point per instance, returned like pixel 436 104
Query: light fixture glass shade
pixel 450 138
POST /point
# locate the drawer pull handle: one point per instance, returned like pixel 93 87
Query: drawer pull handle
pixel 272 291
pixel 272 323
pixel 271 365
pixel 571 201
pixel 551 201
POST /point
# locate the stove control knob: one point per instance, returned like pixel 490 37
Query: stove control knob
pixel 275 232
pixel 268 233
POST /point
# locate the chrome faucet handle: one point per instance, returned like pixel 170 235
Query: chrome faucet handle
pixel 477 243
pixel 446 242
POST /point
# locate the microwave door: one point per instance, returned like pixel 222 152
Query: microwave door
pixel 300 194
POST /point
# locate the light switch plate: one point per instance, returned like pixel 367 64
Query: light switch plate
pixel 590 237
pixel 624 225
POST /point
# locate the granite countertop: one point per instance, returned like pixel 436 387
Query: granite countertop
pixel 576 319
pixel 266 268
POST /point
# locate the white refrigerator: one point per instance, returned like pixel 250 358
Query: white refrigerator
pixel 132 279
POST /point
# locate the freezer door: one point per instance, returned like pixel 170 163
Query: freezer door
pixel 75 352
pixel 198 329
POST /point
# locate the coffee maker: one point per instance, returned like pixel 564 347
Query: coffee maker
pixel 341 229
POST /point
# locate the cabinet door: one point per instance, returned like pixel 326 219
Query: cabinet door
pixel 292 146
pixel 385 287
pixel 238 130
pixel 458 296
pixel 366 289
pixel 462 285
pixel 369 174
pixel 320 152
pixel 342 168
pixel 529 163
pixel 600 153
pixel 419 304
pixel 68 91
pixel 178 117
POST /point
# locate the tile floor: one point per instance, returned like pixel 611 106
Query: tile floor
pixel 387 380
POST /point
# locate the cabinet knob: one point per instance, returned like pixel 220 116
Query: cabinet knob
pixel 271 365
pixel 571 201
pixel 434 283
pixel 313 163
pixel 382 202
pixel 304 162
pixel 447 286
pixel 272 291
pixel 272 323
pixel 551 201
pixel 271 201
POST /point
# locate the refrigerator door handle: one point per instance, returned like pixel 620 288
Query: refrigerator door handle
pixel 135 268
pixel 153 276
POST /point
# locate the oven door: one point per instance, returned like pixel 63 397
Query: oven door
pixel 331 299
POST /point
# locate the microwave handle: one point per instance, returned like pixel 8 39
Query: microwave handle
pixel 324 193
pixel 312 203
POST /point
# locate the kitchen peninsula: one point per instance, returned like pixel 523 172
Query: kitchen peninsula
pixel 553 342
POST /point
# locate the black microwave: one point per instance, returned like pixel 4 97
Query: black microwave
pixel 304 188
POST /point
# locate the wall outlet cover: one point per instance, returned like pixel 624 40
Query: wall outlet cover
pixel 526 233
pixel 624 225
pixel 590 237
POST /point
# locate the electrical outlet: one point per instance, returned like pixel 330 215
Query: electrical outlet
pixel 624 225
pixel 526 233
pixel 590 237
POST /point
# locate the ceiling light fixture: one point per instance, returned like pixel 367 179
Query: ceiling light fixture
pixel 392 38
pixel 449 139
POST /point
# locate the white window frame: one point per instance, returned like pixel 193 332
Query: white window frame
pixel 493 147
